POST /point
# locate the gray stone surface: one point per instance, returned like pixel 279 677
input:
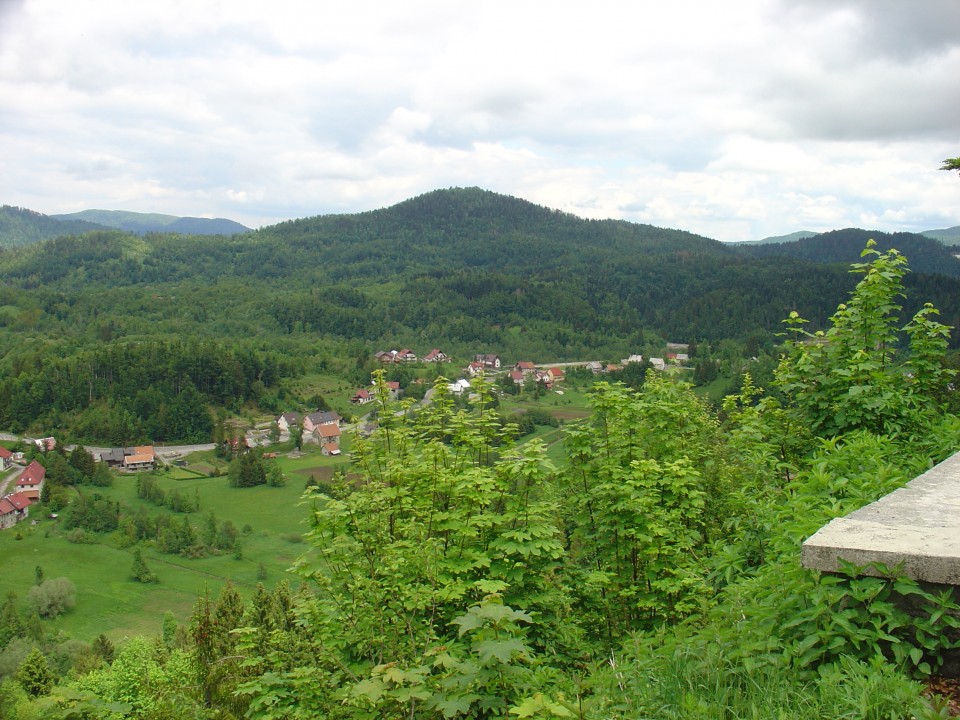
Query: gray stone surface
pixel 916 527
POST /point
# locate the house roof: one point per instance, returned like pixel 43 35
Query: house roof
pixel 526 365
pixel 33 474
pixel 323 417
pixel 19 501
pixel 144 450
pixel 392 385
pixel 5 454
pixel 332 448
pixel 137 459
pixel 6 507
pixel 516 375
pixel 328 431
pixel 433 354
pixel 361 394
pixel 292 418
pixel 555 372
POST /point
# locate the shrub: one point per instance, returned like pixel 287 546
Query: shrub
pixel 52 597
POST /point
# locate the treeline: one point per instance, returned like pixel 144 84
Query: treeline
pixel 122 392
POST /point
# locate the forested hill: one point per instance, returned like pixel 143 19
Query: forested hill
pixel 141 223
pixel 20 226
pixel 474 228
pixel 462 268
pixel 926 255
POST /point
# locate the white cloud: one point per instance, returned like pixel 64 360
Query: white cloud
pixel 731 120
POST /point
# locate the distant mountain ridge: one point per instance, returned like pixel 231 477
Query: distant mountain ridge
pixel 925 254
pixel 141 223
pixel 948 236
pixel 466 266
pixel 792 237
pixel 20 226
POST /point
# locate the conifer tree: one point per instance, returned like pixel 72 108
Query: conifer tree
pixel 140 571
pixel 34 674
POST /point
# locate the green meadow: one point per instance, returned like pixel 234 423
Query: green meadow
pixel 271 521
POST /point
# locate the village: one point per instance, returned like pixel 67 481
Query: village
pixel 324 428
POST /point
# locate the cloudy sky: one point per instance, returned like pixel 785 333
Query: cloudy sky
pixel 736 120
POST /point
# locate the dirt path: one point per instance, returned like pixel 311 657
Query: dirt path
pixel 9 480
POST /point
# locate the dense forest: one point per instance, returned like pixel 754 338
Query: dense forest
pixel 926 254
pixel 467 269
pixel 650 571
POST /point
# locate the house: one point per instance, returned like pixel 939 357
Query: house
pixel 488 360
pixel 525 366
pixel 517 376
pixel 683 358
pixel 678 347
pixel 6 458
pixel 329 433
pixel 386 356
pixel 8 514
pixel 287 421
pixel 556 374
pixel 658 364
pixel 45 444
pixel 13 509
pixel 30 482
pixel 329 449
pixel 436 355
pixel 474 369
pixel 459 387
pixel 314 420
pixel 393 388
pixel 632 359
pixel 406 355
pixel 596 367
pixel 143 457
pixel 362 397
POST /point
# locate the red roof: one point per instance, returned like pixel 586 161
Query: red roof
pixel 6 507
pixel 393 385
pixel 328 431
pixel 19 500
pixel 526 365
pixel 33 474
pixel 5 454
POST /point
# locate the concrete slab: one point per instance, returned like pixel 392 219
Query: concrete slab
pixel 916 527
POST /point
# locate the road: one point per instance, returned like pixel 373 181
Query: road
pixel 5 482
pixel 164 452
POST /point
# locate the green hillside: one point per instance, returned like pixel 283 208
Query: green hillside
pixel 926 254
pixel 19 226
pixel 948 236
pixel 140 223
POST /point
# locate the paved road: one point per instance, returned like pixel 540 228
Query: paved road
pixel 166 452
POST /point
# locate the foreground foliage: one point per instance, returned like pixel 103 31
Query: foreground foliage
pixel 453 574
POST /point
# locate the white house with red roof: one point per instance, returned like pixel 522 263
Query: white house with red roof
pixel 362 397
pixel 13 509
pixel 436 355
pixel 30 482
pixel 143 457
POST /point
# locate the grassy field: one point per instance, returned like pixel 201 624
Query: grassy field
pixel 108 599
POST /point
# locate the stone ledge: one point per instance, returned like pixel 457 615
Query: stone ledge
pixel 916 527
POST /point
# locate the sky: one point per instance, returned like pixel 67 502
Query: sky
pixel 735 120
